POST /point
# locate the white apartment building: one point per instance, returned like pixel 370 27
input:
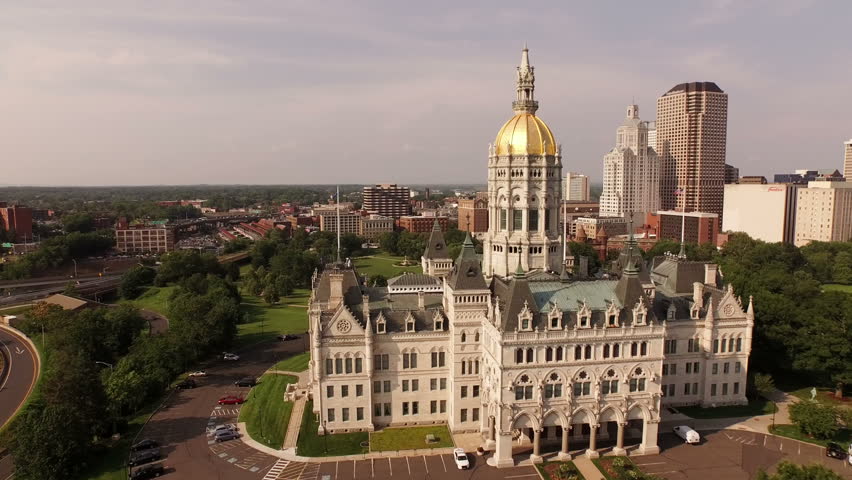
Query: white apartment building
pixel 631 181
pixel 824 213
pixel 847 160
pixel 764 212
pixel 576 187
pixel 530 357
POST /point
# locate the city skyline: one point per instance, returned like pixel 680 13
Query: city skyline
pixel 104 94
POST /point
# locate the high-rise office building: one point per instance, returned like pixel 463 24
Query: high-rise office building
pixel 652 135
pixel 631 178
pixel 388 200
pixel 847 160
pixel 576 187
pixel 692 122
pixel 732 174
pixel 824 213
pixel 764 212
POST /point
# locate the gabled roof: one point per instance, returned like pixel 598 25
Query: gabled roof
pixel 410 279
pixel 66 302
pixel 513 295
pixel 436 247
pixel 675 276
pixel 467 273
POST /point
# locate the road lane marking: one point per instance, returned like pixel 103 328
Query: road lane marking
pixel 522 476
pixel 18 350
pixel 391 467
pixel 409 466
pixel 372 468
pixel 424 464
pixel 443 463
pixel 336 467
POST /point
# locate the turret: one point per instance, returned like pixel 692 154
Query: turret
pixel 709 327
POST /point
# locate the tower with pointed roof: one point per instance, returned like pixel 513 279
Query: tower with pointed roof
pixel 436 259
pixel 524 188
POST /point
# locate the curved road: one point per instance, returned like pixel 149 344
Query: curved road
pixel 17 384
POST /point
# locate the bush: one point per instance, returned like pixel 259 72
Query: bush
pixel 814 419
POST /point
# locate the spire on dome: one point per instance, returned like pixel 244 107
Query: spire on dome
pixel 525 102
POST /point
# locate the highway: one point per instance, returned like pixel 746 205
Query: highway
pixel 16 383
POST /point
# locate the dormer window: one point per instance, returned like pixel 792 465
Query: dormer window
pixel 381 326
pixel 439 325
pixel 695 311
pixel 640 314
pixel 612 320
pixel 554 323
pixel 525 324
pixel 640 318
pixel 555 318
pixel 670 314
pixel 584 320
pixel 409 326
pixel 525 318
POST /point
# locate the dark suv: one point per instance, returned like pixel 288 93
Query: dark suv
pixel 148 471
pixel 145 456
pixel 146 444
pixel 188 383
pixel 246 382
pixel 835 451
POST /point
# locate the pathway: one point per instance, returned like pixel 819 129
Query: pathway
pixel 587 468
pixel 295 423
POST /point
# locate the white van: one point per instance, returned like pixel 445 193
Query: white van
pixel 687 434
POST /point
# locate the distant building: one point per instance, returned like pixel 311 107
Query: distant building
pixel 417 224
pixel 764 212
pixel 388 200
pixel 288 209
pixel 349 223
pixel 753 180
pixel 701 227
pixel 824 213
pixel 732 174
pixel 17 219
pixel 473 214
pixel 150 237
pixel 592 225
pixel 847 160
pixel 804 176
pixel 331 208
pixel 631 173
pixel 576 187
pixel 373 226
pixel 182 203
pixel 652 135
pixel 692 124
pixel 573 210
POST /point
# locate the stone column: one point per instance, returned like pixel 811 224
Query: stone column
pixel 489 442
pixel 619 442
pixel 649 438
pixel 593 433
pixel 564 454
pixel 502 457
pixel 536 455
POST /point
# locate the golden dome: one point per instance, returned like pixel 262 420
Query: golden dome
pixel 525 134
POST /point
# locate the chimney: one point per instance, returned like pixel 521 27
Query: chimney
pixel 421 300
pixel 365 306
pixel 710 270
pixel 698 294
pixel 335 296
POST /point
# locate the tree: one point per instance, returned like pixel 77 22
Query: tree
pixel 764 384
pixel 814 419
pixel 49 443
pixel 134 281
pixel 78 222
pixel 270 294
pixel 389 242
pixel 380 280
pixel 790 471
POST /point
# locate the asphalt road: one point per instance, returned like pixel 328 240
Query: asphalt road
pixel 16 385
pixel 190 454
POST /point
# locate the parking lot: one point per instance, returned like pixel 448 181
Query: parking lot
pixel 731 454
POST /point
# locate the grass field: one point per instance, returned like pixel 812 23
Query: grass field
pixel 843 436
pixel 755 407
pixel 155 299
pixel 410 438
pixel 296 363
pixel 384 264
pixel 265 414
pixel 310 444
pixel 267 321
pixel 836 287
pixel 19 310
pixel 824 396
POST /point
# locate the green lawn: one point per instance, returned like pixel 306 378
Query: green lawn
pixel 755 407
pixel 843 436
pixel 311 444
pixel 155 299
pixel 611 472
pixel 19 310
pixel 296 363
pixel 267 321
pixel 410 438
pixel 836 287
pixel 824 395
pixel 384 264
pixel 550 470
pixel 265 412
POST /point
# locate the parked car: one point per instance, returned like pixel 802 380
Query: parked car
pixel 230 356
pixel 146 444
pixel 226 435
pixel 834 450
pixel 148 471
pixel 461 459
pixel 144 456
pixel 687 434
pixel 188 383
pixel 200 373
pixel 231 400
pixel 212 431
pixel 285 337
pixel 246 382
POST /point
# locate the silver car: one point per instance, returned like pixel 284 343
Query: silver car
pixel 225 435
pixel 227 427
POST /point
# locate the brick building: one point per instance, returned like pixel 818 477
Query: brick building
pixel 17 219
pixel 473 214
pixel 387 200
pixel 414 224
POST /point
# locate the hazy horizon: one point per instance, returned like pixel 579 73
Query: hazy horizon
pixel 265 93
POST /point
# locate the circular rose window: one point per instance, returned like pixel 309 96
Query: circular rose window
pixel 344 326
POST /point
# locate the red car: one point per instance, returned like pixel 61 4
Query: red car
pixel 231 400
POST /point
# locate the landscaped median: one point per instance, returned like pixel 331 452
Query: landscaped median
pixel 559 471
pixel 843 436
pixel 621 468
pixel 311 444
pixel 265 412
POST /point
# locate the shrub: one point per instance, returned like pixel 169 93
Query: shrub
pixel 814 419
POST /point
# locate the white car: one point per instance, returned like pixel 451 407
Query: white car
pixel 200 373
pixel 687 434
pixel 461 459
pixel 230 356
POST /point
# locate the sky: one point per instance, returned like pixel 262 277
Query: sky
pixel 114 92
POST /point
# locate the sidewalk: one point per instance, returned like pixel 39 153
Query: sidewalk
pixel 295 424
pixel 759 424
pixel 587 468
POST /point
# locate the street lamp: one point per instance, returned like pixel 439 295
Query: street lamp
pixel 325 436
pixel 75 267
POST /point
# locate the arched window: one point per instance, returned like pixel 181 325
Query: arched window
pixel 476 336
pixel 739 344
pixel 553 386
pixel 615 350
pixel 609 384
pixel 634 349
pixel 529 355
pixel 476 367
pixel 723 344
pixel 637 380
pixel 606 351
pixel 588 352
pixel 548 354
pixel 523 388
pixel 578 352
pixel 519 355
pixel 463 337
pixel 582 384
pixel 731 344
pixel 558 354
pixel 644 349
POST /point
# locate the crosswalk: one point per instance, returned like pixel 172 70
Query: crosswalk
pixel 276 469
pixel 225 412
